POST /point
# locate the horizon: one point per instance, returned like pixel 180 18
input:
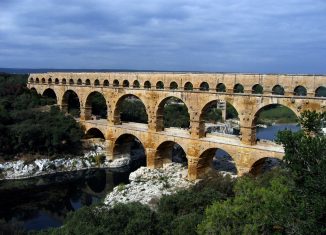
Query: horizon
pixel 58 70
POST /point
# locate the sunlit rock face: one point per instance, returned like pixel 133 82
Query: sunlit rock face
pixel 147 186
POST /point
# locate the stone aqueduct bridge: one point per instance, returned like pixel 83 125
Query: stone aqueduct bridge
pixel 197 91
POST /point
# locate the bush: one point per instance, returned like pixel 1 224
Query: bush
pixel 99 159
pixel 132 218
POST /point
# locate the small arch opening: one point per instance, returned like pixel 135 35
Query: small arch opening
pixel 147 85
pixel 37 80
pixel 79 82
pixel 106 83
pixel 320 92
pixel 31 80
pixel 204 86
pixel 257 89
pixel 300 91
pixel 188 86
pixel 116 83
pixel 160 85
pixel 125 83
pixel 136 84
pixel 278 90
pixel 64 81
pixel 238 88
pixel 56 81
pixel 97 82
pixel 173 86
pixel 50 81
pixel 220 87
pixel 43 80
pixel 71 82
pixel 87 82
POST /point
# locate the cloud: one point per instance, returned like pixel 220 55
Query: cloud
pixel 211 35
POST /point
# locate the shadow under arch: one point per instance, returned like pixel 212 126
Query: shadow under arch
pixel 272 118
pixel 96 106
pixel 218 116
pixel 129 147
pixel 50 93
pixel 264 165
pixel 71 103
pixel 216 159
pixel 94 133
pixel 172 112
pixel 170 151
pixel 130 108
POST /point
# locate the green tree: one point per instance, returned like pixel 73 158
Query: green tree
pixel 129 219
pixel 260 206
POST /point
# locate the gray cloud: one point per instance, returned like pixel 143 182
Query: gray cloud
pixel 212 35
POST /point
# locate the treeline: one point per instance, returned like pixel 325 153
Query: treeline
pixel 288 200
pixel 26 129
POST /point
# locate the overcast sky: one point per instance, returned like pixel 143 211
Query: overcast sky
pixel 281 36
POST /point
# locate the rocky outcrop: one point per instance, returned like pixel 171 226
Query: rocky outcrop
pixel 90 159
pixel 147 186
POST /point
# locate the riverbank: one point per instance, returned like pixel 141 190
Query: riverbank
pixel 90 160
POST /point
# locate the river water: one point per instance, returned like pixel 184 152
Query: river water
pixel 43 202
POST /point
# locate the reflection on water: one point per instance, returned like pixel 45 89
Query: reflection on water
pixel 43 202
pixel 270 132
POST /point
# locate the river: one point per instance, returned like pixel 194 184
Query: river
pixel 43 202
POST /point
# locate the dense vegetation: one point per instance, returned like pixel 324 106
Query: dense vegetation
pixel 28 127
pixel 288 200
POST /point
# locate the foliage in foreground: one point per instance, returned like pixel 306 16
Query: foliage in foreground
pixel 25 128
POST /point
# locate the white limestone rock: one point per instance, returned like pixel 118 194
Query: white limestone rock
pixel 119 162
pixel 147 186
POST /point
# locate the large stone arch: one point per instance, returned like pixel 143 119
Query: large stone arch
pixel 205 161
pixel 273 103
pixel 49 92
pixel 94 132
pixel 131 148
pixel 118 103
pixel 262 165
pixel 65 101
pixel 170 151
pixel 88 104
pixel 257 112
pixel 206 105
pixel 159 111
